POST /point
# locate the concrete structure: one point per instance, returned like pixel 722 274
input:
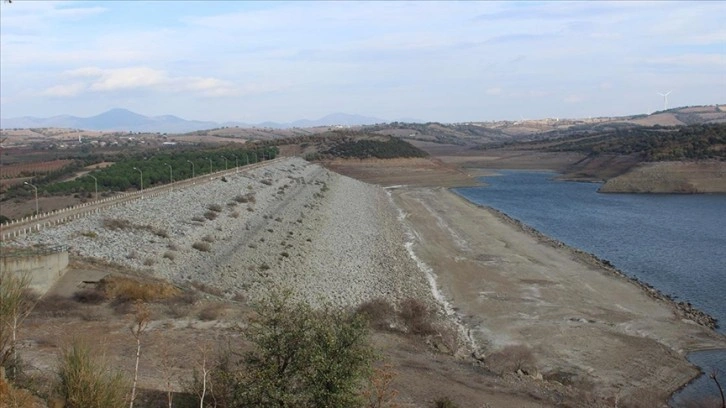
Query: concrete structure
pixel 44 266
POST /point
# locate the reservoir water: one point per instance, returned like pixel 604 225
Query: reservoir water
pixel 676 243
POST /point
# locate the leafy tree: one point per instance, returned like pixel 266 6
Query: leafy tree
pixel 302 358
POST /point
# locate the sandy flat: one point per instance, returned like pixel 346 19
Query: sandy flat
pixel 585 325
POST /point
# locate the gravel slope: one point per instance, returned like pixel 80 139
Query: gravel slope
pixel 324 236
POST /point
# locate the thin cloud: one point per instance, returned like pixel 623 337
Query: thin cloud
pixel 136 78
pixel 65 91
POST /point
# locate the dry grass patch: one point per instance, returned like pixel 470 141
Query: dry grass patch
pixel 117 224
pixel 54 306
pixel 212 311
pixel 127 289
pixel 203 287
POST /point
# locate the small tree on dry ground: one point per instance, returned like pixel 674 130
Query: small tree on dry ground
pixel 15 304
pixel 142 315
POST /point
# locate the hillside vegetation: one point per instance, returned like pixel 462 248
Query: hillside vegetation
pixel 656 144
pixel 697 142
pixel 356 145
pixel 363 149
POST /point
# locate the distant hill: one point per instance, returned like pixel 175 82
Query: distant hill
pixel 126 120
pixel 503 131
pixel 115 119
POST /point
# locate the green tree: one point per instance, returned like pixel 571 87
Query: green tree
pixel 302 358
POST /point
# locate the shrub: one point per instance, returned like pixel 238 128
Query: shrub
pixel 89 234
pixel 86 382
pixel 301 357
pixel 512 358
pixel 444 402
pixel 89 296
pixel 202 246
pixel 234 214
pixel 416 316
pixel 169 255
pixel 210 215
pixel 214 207
pixel 208 238
pixel 198 218
pixel 149 261
pixel 247 198
pixel 379 312
pixel 266 182
pixel 159 232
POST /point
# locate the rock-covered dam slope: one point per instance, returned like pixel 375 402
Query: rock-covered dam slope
pixel 290 225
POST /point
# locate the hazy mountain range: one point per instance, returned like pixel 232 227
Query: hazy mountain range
pixel 125 120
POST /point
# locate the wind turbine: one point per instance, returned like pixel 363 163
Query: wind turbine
pixel 665 99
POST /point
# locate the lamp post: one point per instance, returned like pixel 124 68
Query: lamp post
pixel 141 180
pixel 36 195
pixel 190 162
pixel 247 159
pixel 210 165
pixel 236 164
pixel 95 184
pixel 225 162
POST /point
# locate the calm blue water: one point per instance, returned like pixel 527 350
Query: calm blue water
pixel 677 243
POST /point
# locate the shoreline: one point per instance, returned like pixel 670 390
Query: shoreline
pixel 514 285
pixel 684 308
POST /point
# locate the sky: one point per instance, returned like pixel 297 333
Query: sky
pixel 426 61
